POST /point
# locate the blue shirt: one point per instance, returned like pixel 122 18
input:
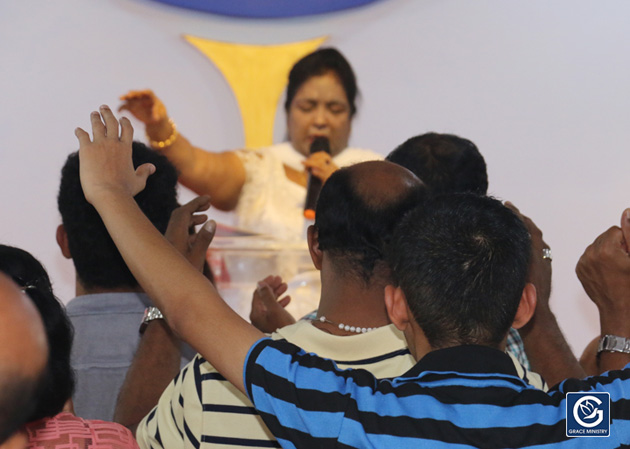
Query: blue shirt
pixel 106 336
pixel 461 397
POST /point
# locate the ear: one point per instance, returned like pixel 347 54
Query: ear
pixel 62 241
pixel 526 307
pixel 397 308
pixel 313 246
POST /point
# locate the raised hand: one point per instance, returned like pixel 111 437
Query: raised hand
pixel 268 313
pixel 144 105
pixel 180 231
pixel 106 165
pixel 604 271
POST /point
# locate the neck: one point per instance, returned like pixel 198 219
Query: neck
pixel 81 290
pixel 350 301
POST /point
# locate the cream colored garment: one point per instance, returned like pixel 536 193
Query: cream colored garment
pixel 272 204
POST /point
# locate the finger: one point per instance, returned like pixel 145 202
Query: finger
pixel 200 244
pixel 279 290
pixel 82 136
pixel 126 133
pixel 111 124
pixel 198 219
pixel 284 302
pixel 198 204
pixel 98 128
pixel 143 172
pixel 625 229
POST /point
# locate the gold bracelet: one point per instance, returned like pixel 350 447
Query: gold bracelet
pixel 168 142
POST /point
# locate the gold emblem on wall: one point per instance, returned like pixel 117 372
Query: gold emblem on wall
pixel 258 76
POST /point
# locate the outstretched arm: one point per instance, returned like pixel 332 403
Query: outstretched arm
pixel 219 175
pixel 545 346
pixel 192 306
pixel 604 271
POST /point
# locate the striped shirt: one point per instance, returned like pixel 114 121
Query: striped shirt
pixel 461 397
pixel 200 408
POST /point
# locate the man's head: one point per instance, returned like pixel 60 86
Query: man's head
pixel 29 274
pixel 83 236
pixel 357 211
pixel 461 261
pixel 23 357
pixel 446 163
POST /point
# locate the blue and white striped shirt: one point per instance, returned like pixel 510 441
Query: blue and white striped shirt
pixel 461 397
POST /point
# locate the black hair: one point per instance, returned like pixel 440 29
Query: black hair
pixel 16 402
pixel 94 254
pixel 318 63
pixel 446 163
pixel 462 262
pixel 57 384
pixel 355 217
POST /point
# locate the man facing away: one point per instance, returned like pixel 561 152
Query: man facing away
pixel 460 252
pixel 109 303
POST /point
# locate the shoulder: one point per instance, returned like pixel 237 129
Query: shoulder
pixel 351 156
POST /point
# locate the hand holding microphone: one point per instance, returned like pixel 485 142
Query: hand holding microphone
pixel 319 165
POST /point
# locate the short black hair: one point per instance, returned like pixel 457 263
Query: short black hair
pixel 319 63
pixel 57 384
pixel 95 256
pixel 462 262
pixel 355 218
pixel 446 163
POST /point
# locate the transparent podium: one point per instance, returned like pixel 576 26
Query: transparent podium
pixel 238 262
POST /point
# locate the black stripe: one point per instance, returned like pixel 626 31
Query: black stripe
pixel 151 415
pixel 175 421
pixel 249 442
pixel 212 376
pixel 198 378
pixel 376 359
pixel 240 409
pixel 158 437
pixel 191 437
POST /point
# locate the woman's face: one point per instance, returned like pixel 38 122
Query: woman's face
pixel 319 109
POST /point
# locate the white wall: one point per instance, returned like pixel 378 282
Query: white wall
pixel 541 87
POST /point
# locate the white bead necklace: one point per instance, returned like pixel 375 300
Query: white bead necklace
pixel 345 327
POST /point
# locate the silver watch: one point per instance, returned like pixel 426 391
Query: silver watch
pixel 150 314
pixel 613 343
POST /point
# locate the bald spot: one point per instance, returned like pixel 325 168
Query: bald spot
pixel 23 345
pixel 380 183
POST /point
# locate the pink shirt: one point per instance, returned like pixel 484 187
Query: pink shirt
pixel 71 432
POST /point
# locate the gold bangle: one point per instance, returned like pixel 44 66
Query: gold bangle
pixel 168 142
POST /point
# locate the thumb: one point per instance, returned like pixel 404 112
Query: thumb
pixel 201 242
pixel 625 228
pixel 142 174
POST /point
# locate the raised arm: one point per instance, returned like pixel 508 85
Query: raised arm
pixel 545 345
pixel 219 175
pixel 192 306
pixel 604 271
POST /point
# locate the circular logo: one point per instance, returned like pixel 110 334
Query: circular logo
pixel 587 413
pixel 267 8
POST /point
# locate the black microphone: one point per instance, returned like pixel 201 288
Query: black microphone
pixel 314 184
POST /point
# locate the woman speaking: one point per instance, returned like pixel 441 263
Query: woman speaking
pixel 266 187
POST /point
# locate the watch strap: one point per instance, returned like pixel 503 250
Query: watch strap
pixel 150 314
pixel 614 343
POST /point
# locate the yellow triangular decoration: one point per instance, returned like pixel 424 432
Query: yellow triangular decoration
pixel 258 76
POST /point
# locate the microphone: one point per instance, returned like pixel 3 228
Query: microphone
pixel 314 184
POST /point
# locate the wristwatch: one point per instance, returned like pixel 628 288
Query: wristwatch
pixel 614 343
pixel 150 314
